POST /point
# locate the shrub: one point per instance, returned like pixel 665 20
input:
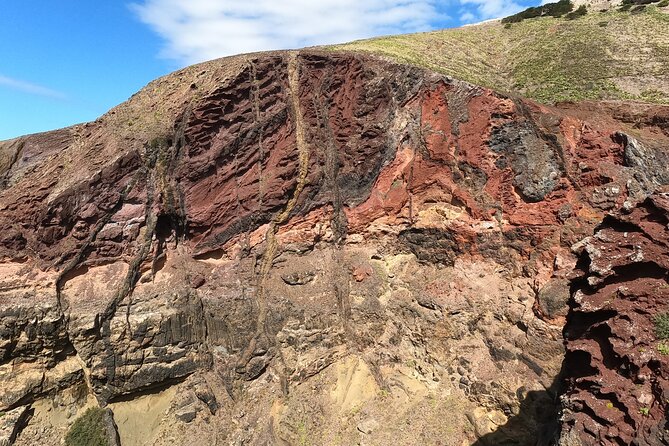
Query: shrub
pixel 88 430
pixel 581 11
pixel 638 2
pixel 159 142
pixel 662 326
pixel 639 5
pixel 551 9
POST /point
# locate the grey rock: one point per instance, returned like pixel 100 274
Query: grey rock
pixel 553 297
pixel 298 278
pixel 570 438
pixel 113 438
pixel 367 426
pixel 651 167
pixel 533 159
pixel 187 413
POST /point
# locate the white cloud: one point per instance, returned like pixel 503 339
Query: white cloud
pixel 197 30
pixel 27 87
pixel 467 17
pixel 492 9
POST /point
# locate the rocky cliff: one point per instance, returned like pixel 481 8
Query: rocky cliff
pixel 311 248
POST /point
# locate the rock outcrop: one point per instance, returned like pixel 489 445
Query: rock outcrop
pixel 597 5
pixel 294 239
pixel 616 362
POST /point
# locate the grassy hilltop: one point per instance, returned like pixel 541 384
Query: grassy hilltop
pixel 620 53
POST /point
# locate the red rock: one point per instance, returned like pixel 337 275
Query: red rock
pixel 361 272
pixel 616 370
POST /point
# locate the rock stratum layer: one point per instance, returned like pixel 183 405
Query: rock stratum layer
pixel 307 248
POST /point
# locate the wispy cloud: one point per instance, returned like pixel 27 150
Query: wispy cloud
pixel 27 87
pixel 489 9
pixel 197 30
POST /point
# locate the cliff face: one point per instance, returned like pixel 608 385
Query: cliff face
pixel 296 247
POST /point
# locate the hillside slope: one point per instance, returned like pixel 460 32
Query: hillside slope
pixel 602 55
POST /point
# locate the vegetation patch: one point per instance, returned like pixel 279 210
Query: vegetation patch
pixel 662 326
pixel 88 430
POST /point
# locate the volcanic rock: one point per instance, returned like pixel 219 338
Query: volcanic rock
pixel 616 363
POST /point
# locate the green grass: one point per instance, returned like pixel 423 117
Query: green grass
pixel 88 430
pixel 600 55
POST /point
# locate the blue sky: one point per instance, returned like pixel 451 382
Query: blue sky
pixel 68 61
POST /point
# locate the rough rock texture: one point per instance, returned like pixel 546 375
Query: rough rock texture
pixel 617 368
pixel 597 5
pixel 10 424
pixel 292 247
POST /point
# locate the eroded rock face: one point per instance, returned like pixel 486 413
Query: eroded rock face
pixel 304 238
pixel 615 364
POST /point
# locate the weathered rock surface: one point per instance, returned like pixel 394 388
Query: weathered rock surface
pixel 273 249
pixel 10 424
pixel 615 364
